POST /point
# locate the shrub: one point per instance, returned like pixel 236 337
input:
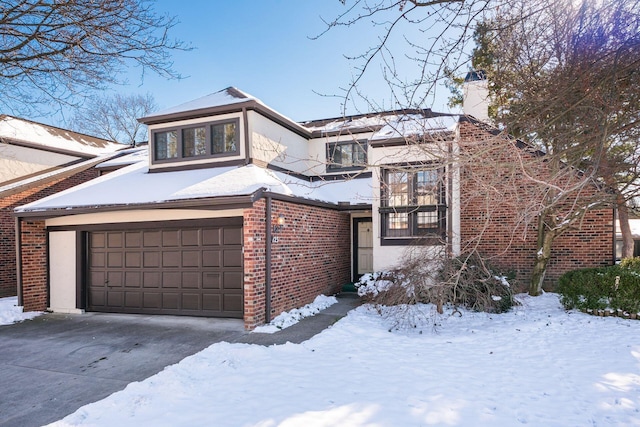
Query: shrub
pixel 615 287
pixel 466 281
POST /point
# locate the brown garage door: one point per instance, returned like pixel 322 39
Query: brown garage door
pixel 195 271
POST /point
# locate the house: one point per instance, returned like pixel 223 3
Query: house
pixel 242 212
pixel 37 160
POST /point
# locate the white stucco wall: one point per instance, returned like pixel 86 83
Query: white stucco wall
pixel 62 269
pixel 277 145
pixel 16 162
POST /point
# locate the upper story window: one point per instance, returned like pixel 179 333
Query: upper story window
pixel 216 139
pixel 346 155
pixel 413 205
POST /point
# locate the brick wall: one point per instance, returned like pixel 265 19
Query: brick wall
pixel 7 223
pixel 310 257
pixel 34 265
pixel 499 219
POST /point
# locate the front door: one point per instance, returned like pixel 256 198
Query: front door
pixel 363 247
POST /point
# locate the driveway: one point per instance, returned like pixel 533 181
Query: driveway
pixel 54 364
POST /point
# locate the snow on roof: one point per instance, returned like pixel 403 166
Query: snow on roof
pixel 55 138
pixel 388 125
pixel 55 174
pixel 403 126
pixel 133 185
pixel 129 157
pixel 223 97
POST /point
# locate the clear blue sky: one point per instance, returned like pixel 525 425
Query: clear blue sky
pixel 264 48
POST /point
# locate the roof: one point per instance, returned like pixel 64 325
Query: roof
pixel 153 189
pixel 226 100
pixel 50 138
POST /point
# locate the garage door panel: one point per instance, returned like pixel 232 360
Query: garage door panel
pixel 151 239
pixel 114 240
pixel 232 280
pixel 232 236
pixel 190 271
pixel 170 259
pixel 211 258
pixel 151 279
pixel 232 258
pixel 152 300
pixel 170 301
pixel 151 259
pixel 191 258
pixel 171 279
pixel 191 302
pixel 97 259
pixel 211 237
pixel 133 259
pixel 98 240
pixel 212 280
pixel 132 239
pixel 170 238
pixel 114 260
pixel 132 279
pixel 190 237
pixel 115 298
pixel 133 299
pixel 212 302
pixel 191 280
pixel 114 279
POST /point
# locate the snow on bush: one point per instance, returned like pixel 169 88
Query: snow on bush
pixel 286 319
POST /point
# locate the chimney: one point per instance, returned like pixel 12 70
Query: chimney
pixel 475 95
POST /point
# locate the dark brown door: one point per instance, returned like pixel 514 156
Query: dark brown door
pixel 195 271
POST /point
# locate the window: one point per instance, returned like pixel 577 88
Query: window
pixel 347 155
pixel 166 144
pixel 194 142
pixel 223 138
pixel 412 205
pixel 217 139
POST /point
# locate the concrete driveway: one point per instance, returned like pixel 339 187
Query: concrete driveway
pixel 54 364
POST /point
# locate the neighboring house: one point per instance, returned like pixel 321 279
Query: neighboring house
pixel 37 160
pixel 241 212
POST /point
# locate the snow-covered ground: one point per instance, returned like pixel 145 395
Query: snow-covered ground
pixel 537 365
pixel 11 312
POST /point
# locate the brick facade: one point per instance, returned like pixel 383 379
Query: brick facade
pixel 310 255
pixel 8 278
pixel 494 219
pixel 34 265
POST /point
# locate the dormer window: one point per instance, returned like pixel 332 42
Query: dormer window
pixel 216 139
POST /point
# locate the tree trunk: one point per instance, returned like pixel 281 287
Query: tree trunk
pixel 545 241
pixel 625 229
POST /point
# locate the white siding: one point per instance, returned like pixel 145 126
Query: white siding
pixel 62 270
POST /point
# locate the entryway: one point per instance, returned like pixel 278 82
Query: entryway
pixel 362 247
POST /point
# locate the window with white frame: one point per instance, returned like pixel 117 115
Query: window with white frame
pixel 412 204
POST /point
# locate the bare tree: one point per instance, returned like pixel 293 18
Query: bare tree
pixel 115 117
pixel 57 51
